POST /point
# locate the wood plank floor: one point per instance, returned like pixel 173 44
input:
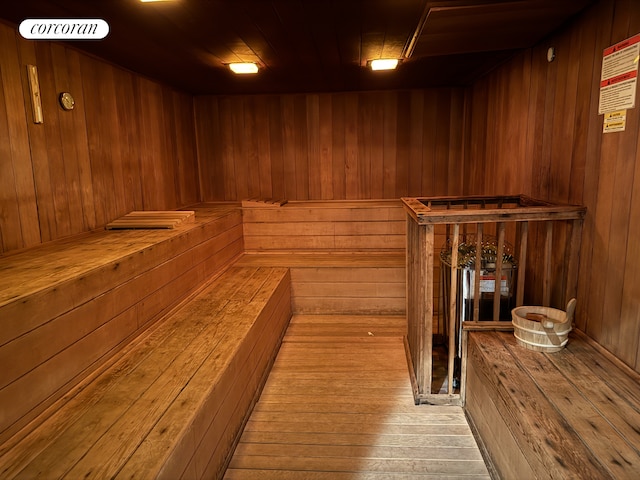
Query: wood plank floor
pixel 338 405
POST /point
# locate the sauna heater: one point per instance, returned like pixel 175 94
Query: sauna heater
pixel 465 297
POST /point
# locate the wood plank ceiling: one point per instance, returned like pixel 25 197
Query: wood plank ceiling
pixel 309 45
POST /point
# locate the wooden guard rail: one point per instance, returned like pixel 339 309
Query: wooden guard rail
pixel 511 217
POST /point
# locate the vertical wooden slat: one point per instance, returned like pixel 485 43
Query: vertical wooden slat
pixel 428 246
pixel 351 163
pixel 497 293
pixel 351 145
pixel 573 260
pixel 477 272
pixel 413 324
pixel 453 311
pixel 546 280
pixel 463 366
pixel 522 263
pixel 419 261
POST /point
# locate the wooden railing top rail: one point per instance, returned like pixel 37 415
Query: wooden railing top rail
pixel 487 209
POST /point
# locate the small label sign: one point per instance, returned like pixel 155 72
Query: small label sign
pixel 64 29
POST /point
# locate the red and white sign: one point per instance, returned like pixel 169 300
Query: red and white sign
pixel 619 76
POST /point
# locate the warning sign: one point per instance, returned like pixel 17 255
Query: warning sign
pixel 614 121
pixel 619 76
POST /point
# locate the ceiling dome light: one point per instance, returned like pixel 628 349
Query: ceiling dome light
pixel 244 68
pixel 384 64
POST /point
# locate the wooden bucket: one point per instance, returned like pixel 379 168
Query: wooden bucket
pixel 542 329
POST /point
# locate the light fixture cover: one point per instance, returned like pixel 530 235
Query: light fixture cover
pixel 243 68
pixel 383 64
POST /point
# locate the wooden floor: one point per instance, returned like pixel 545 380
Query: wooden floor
pixel 338 405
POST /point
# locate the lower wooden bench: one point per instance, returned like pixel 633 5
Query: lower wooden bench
pixel 569 414
pixel 174 403
pixel 342 283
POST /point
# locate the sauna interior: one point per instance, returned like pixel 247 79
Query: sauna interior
pixel 272 275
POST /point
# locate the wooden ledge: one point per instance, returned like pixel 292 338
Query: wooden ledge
pixel 570 414
pixel 392 258
pixel 174 402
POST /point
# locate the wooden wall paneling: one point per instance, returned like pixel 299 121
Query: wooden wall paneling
pixel 301 139
pixel 403 122
pixel 353 145
pixel 117 198
pixel 169 156
pixel 492 136
pixel 431 178
pixel 129 127
pixel 540 179
pixel 327 178
pixel 42 170
pixel 264 166
pixel 23 229
pixel 475 159
pixel 534 121
pixel 456 148
pixel 240 131
pixel 288 137
pixel 226 107
pixel 338 145
pixel 562 144
pixel 628 334
pixel 312 122
pixel 249 137
pixel 626 23
pixel 351 160
pixel 364 145
pixel 82 168
pixel 599 21
pixel 602 231
pixel 77 138
pixel 377 146
pixel 517 144
pixel 443 155
pixel 60 144
pixel 98 96
pixel 588 75
pixel 276 152
pixel 390 155
pixel 416 132
pixel 567 158
pixel 157 172
pixel 186 150
pixel 209 134
pixel 402 141
pixel 563 114
pixel 10 232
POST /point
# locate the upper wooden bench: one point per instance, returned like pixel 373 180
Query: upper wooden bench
pixel 174 403
pixel 68 306
pixel 345 256
pixel 569 414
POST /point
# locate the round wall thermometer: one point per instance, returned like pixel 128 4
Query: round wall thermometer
pixel 66 101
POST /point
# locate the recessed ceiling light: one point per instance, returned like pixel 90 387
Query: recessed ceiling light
pixel 384 64
pixel 244 68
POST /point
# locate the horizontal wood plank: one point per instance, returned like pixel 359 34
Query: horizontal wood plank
pixel 557 413
pixel 339 405
pixel 208 356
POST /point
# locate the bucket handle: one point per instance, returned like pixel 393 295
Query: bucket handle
pixel 571 308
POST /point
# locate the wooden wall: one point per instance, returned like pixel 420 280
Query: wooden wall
pixel 334 146
pixel 129 144
pixel 535 129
